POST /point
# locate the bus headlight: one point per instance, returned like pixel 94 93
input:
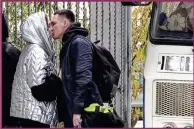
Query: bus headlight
pixel 188 126
pixel 169 125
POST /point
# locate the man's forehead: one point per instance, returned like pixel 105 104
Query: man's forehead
pixel 57 17
pixel 54 18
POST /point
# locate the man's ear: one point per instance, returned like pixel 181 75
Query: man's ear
pixel 64 22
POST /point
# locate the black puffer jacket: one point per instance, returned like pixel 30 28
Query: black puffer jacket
pixel 10 56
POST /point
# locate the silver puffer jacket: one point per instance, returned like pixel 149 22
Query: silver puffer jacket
pixel 36 61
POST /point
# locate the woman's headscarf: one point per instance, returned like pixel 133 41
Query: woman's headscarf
pixel 34 30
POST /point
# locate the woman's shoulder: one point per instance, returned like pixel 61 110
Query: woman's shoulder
pixel 34 50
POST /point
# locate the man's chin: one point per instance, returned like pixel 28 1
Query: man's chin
pixel 54 37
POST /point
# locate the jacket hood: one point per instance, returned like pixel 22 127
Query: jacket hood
pixel 34 30
pixel 75 29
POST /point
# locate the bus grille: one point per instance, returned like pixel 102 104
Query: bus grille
pixel 174 98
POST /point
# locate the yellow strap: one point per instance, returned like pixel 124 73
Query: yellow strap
pixel 102 109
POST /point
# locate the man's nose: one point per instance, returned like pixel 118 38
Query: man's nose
pixel 51 28
pixel 50 31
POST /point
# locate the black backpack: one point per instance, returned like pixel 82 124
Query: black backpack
pixel 106 75
pixel 106 72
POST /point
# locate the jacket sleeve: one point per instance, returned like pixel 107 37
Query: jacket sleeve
pixel 81 52
pixel 43 87
pixel 14 53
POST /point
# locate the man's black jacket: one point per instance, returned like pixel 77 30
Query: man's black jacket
pixel 76 59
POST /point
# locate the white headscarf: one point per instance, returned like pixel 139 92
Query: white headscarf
pixel 34 30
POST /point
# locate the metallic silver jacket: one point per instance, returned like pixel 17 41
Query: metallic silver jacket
pixel 36 61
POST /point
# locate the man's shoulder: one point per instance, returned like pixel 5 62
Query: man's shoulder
pixel 81 39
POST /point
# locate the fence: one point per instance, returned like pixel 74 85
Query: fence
pixel 105 22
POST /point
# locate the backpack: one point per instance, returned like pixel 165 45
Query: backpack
pixel 106 72
pixel 106 75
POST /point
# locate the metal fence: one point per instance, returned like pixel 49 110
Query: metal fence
pixel 105 22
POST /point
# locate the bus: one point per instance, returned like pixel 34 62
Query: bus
pixel 168 71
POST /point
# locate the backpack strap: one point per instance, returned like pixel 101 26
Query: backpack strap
pixel 96 42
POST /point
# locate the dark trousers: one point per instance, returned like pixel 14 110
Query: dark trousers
pixel 25 123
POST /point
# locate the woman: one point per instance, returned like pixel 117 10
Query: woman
pixel 35 84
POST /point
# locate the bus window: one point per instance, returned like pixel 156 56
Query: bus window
pixel 171 23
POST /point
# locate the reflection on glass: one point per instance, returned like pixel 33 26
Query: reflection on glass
pixel 182 63
pixel 187 64
pixel 172 63
pixel 173 21
pixel 191 65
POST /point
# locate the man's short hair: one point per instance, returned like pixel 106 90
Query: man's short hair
pixel 67 13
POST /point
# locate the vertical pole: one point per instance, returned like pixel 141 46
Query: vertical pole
pixel 29 12
pixel 22 13
pixel 77 11
pixel 127 62
pixel 15 38
pixel 7 12
pixel 89 25
pixel 35 6
pixel 50 10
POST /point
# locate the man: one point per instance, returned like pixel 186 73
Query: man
pixel 10 56
pixel 76 62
